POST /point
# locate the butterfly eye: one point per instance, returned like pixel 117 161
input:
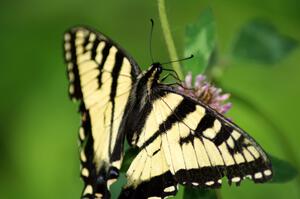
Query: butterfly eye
pixel 159 68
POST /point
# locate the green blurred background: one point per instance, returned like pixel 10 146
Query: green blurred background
pixel 38 122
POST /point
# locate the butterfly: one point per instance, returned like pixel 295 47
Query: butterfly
pixel 180 140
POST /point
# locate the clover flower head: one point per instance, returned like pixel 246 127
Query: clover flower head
pixel 204 91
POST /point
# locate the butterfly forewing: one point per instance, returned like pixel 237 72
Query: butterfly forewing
pixel 199 145
pixel 211 146
pixel 101 77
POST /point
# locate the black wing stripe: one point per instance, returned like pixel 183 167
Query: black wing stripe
pixel 159 186
pixel 178 114
pixel 105 53
pixel 86 41
pixel 94 49
pixel 115 76
pixel 206 122
pixel 223 135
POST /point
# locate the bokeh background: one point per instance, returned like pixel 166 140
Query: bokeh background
pixel 38 122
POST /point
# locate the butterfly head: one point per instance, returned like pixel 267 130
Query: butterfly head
pixel 152 75
pixel 154 71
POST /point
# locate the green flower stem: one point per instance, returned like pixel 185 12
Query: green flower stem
pixel 168 37
pixel 218 194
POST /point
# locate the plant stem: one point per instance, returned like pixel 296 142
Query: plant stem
pixel 218 194
pixel 168 37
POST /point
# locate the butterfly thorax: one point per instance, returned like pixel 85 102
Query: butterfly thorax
pixel 141 98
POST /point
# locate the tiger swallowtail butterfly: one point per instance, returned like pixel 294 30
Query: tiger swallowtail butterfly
pixel 180 140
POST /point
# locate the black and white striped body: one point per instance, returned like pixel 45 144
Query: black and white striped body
pixel 180 140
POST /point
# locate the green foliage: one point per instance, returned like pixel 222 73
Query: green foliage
pixel 260 41
pixel 200 41
pixel 283 170
pixel 130 154
pixel 197 193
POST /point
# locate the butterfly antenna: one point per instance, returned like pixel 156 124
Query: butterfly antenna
pixel 151 32
pixel 178 60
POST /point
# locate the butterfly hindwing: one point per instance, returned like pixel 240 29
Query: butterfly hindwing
pixel 149 176
pixel 198 144
pixel 101 77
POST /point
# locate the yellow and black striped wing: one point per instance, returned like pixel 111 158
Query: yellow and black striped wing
pixel 184 141
pixel 101 77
